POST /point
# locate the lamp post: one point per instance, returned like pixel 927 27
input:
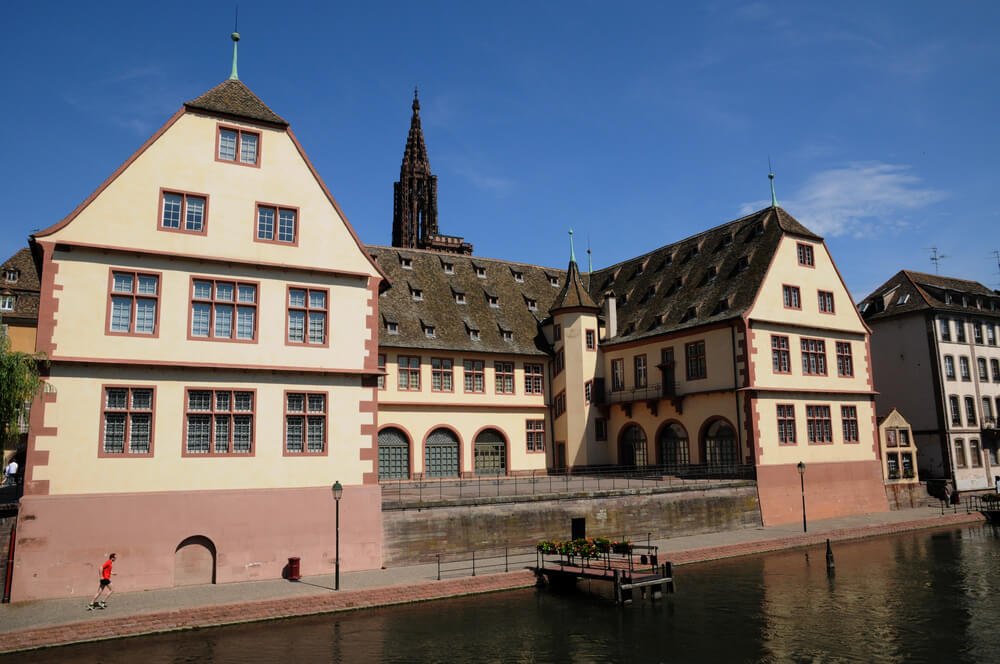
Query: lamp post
pixel 338 491
pixel 802 485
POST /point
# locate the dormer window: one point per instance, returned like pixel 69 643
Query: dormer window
pixel 742 264
pixel 7 302
pixel 724 242
pixel 507 335
pixel 238 145
pixel 416 294
pixel 473 334
pixel 723 305
pixel 429 331
pixel 406 263
pixel 947 298
pixel 650 292
pixel 676 286
pixel 668 260
pixel 480 271
pixel 449 268
pixel 10 275
pixel 518 276
pixel 689 314
pixel 553 281
pixel 863 307
pixel 391 327
pixel 903 299
pixel 710 275
pixel 459 298
pixel 623 299
pixel 532 304
pixel 493 300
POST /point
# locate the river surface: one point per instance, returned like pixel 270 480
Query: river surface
pixel 924 597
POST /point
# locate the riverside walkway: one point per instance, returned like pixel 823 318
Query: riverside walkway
pixel 37 624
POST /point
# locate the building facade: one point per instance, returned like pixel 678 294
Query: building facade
pixel 210 319
pixel 937 360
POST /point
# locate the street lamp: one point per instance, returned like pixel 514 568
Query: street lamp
pixel 338 491
pixel 802 485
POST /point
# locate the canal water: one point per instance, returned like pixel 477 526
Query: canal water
pixel 924 597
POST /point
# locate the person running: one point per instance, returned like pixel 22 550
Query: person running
pixel 105 583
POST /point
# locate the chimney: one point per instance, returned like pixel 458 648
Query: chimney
pixel 610 315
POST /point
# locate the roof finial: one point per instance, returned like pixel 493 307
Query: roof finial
pixel 236 38
pixel 590 262
pixel 416 101
pixel 770 176
pixel 572 253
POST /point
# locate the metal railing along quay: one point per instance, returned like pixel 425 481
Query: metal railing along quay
pixel 405 492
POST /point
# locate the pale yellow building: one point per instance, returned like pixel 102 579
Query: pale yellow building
pixel 210 318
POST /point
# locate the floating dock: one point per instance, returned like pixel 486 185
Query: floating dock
pixel 638 568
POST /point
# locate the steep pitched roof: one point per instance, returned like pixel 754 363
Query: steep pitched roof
pixel 908 291
pixel 509 297
pixel 706 278
pixel 573 293
pixel 232 97
pixel 25 287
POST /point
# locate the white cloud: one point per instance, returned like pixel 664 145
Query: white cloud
pixel 857 199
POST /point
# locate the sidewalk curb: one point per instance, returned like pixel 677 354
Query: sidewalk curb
pixel 352 600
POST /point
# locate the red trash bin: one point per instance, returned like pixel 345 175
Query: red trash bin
pixel 293 569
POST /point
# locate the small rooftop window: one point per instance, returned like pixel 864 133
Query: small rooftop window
pixel 553 281
pixel 406 263
pixel 723 305
pixel 459 298
pixel 473 334
pixel 903 299
pixel 449 268
pixel 710 275
pixel 532 304
pixel 429 331
pixel 480 271
pixel 689 314
pixel 507 335
pixel 416 294
pixel 10 275
pixel 391 327
pixel 518 275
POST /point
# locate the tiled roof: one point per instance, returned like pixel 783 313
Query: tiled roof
pixel 706 278
pixel 908 291
pixel 232 97
pixel 25 289
pixel 425 295
pixel 573 293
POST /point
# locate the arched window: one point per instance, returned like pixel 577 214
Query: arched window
pixel 441 454
pixel 491 453
pixel 632 448
pixel 393 455
pixel 673 448
pixel 721 447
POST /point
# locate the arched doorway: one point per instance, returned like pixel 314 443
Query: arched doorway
pixel 673 447
pixel 632 446
pixel 491 453
pixel 393 454
pixel 720 445
pixel 441 454
pixel 194 562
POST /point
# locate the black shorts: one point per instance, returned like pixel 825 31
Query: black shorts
pixel 105 582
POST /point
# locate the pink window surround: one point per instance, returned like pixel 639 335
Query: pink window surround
pixel 806 255
pixel 128 411
pixel 185 195
pixel 533 379
pixel 135 296
pixel 849 424
pixel 214 302
pixel 442 374
pixel 240 133
pixel 825 300
pixel 786 424
pixel 781 357
pixel 535 436
pixel 381 367
pixel 591 337
pixel 819 424
pixel 791 297
pixel 408 379
pixel 217 410
pixel 276 212
pixel 307 413
pixel 310 309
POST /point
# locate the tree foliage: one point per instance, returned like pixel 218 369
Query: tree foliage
pixel 19 383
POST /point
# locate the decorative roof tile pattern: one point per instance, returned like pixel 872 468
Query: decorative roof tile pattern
pixel 232 97
pixel 707 278
pixel 441 278
pixel 908 291
pixel 19 277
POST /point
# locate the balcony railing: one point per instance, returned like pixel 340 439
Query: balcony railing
pixel 663 390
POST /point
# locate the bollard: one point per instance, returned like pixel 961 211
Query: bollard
pixel 829 559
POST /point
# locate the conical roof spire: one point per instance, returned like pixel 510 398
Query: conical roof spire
pixel 770 176
pixel 415 155
pixel 573 293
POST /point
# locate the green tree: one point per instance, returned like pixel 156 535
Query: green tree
pixel 19 383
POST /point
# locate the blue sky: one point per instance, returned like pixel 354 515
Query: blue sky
pixel 636 124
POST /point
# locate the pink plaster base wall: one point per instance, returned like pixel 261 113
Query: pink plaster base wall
pixel 832 490
pixel 63 540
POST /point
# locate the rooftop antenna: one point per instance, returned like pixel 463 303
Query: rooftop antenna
pixel 590 262
pixel 236 38
pixel 936 258
pixel 770 176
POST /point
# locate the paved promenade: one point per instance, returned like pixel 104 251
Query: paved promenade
pixel 61 621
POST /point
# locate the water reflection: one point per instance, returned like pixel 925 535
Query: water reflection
pixel 917 597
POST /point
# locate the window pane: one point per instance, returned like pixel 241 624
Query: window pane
pixel 227 144
pixel 248 148
pixel 200 313
pixel 203 290
pixel 223 320
pixel 293 433
pixel 245 322
pixel 172 210
pixel 117 398
pixel 139 433
pixel 121 314
pixel 142 399
pixel 317 426
pixel 247 293
pixel 222 428
pixel 317 327
pixel 195 220
pixel 317 403
pixel 244 402
pixel 145 316
pixel 296 325
pixel 198 433
pixel 243 434
pixel 317 300
pixel 147 284
pixel 296 297
pixel 265 223
pixel 296 403
pixel 114 433
pixel 222 401
pixel 199 400
pixel 224 291
pixel 122 283
pixel 286 225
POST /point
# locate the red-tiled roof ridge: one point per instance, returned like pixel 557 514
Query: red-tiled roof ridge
pixel 233 98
